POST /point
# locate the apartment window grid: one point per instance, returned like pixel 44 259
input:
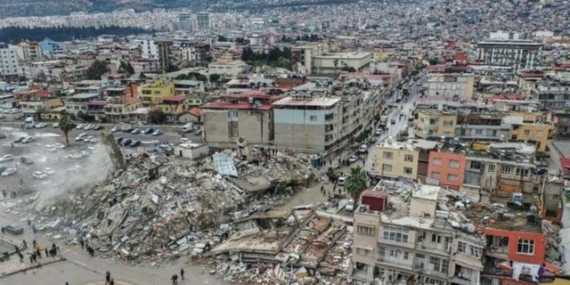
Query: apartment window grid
pixel 431 281
pixel 387 154
pixel 461 247
pixel 454 163
pixel 409 158
pixel 525 246
pixel 491 168
pixel 408 170
pixel 475 251
pixel 451 177
pixel 386 168
pixel 439 265
pixel 363 230
pixel 506 169
pixel 396 234
pixel 527 133
pixel 436 161
pixel 522 172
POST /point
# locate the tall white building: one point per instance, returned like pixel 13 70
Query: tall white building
pixel 519 54
pixel 9 61
pixel 149 49
pixel 203 21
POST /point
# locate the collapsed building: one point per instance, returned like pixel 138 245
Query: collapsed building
pixel 162 207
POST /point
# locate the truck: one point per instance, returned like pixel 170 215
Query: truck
pixel 383 121
pixel 29 123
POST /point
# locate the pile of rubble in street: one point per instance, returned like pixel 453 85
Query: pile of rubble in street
pixel 162 207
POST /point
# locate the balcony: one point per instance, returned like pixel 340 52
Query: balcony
pixel 397 243
pixel 434 248
pixel 425 267
pixel 395 262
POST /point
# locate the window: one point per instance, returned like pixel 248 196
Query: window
pixel 408 170
pixel 406 255
pixel 312 118
pixel 462 247
pixel 393 253
pixel 386 168
pixel 387 155
pixel 435 175
pixel 454 163
pixel 439 265
pixel 491 168
pixel 478 132
pixel 436 161
pixel 527 133
pixel 475 165
pixel 475 251
pixel 396 234
pixel 448 123
pixel 451 177
pixel 525 246
pixel 506 169
pixel 367 231
pixel 522 172
pixel 362 251
pixel 409 158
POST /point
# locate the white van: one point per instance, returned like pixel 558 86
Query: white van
pixel 29 123
pixel 187 128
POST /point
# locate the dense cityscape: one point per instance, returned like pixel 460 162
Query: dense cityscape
pixel 285 142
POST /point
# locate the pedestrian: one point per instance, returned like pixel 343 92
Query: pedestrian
pixel 17 249
pixel 6 255
pixel 39 252
pixel 66 283
pixel 112 282
pixel 46 252
pixel 322 188
pixel 31 259
pixel 174 279
pixel 21 256
pixel 4 193
pixel 82 243
pixel 107 277
pixel 25 245
pixel 3 230
pixel 182 273
pixel 34 243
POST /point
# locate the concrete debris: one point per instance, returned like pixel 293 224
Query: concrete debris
pixel 160 207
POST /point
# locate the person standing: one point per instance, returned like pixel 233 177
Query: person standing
pixel 107 277
pixel 182 273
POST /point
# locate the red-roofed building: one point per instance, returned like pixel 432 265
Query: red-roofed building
pixel 460 58
pixel 37 101
pixel 248 115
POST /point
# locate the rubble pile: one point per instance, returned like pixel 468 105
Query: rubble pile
pixel 161 207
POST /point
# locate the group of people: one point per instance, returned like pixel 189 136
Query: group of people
pixel 175 277
pixel 87 247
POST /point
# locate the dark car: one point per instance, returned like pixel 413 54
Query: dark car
pixel 98 127
pixel 135 143
pixel 127 142
pixel 148 131
pixel 20 139
pixel 14 229
pixel 120 140
pixel 2 136
pixel 26 160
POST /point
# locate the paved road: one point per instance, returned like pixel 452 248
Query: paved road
pixel 404 108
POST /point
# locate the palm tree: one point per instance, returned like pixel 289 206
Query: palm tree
pixel 356 182
pixel 66 126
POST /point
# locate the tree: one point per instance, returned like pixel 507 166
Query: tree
pixel 142 76
pixel 66 126
pixel 97 69
pixel 335 62
pixel 214 78
pixel 156 116
pixel 348 68
pixel 222 38
pixel 356 182
pixel 433 61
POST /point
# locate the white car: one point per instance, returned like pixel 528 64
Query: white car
pixel 59 145
pixel 349 206
pixel 363 149
pixel 80 126
pixel 115 129
pixel 185 140
pixel 55 125
pixel 88 138
pixel 341 180
pixel 353 159
pixel 28 140
pixel 39 125
pixel 80 137
pixel 7 157
pixel 50 148
pixel 9 171
pixel 157 133
pixel 39 175
pixel 48 171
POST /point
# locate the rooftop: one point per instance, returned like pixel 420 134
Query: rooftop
pixel 318 101
pixel 83 96
pixel 237 106
pixel 407 145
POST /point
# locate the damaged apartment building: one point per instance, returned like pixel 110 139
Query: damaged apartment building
pixel 314 117
pixel 424 234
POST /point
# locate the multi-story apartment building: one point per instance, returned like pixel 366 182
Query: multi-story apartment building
pixel 553 94
pixel 413 237
pixel 446 166
pixel 519 54
pixel 152 93
pixel 9 62
pixel 395 160
pixel 188 87
pixel 247 116
pixel 119 109
pixel 434 124
pixel 30 51
pixel 450 81
pixel 302 56
pixel 312 121
pixel 38 102
pixel 335 62
pixel 78 103
pixel 203 21
pixel 50 47
pixel 164 58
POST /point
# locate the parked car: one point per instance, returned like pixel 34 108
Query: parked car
pixel 19 140
pixel 127 128
pixel 120 140
pixel 80 126
pixel 353 159
pixel 157 133
pixel 185 140
pixel 9 171
pixel 115 129
pixel 135 143
pixel 28 140
pixel 26 160
pixel 341 180
pixel 80 137
pixel 48 171
pixel 148 131
pixel 97 127
pixel 135 131
pixel 363 149
pixel 2 136
pixel 55 125
pixel 7 157
pixel 39 175
pixel 127 142
pixel 14 229
pixel 350 206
